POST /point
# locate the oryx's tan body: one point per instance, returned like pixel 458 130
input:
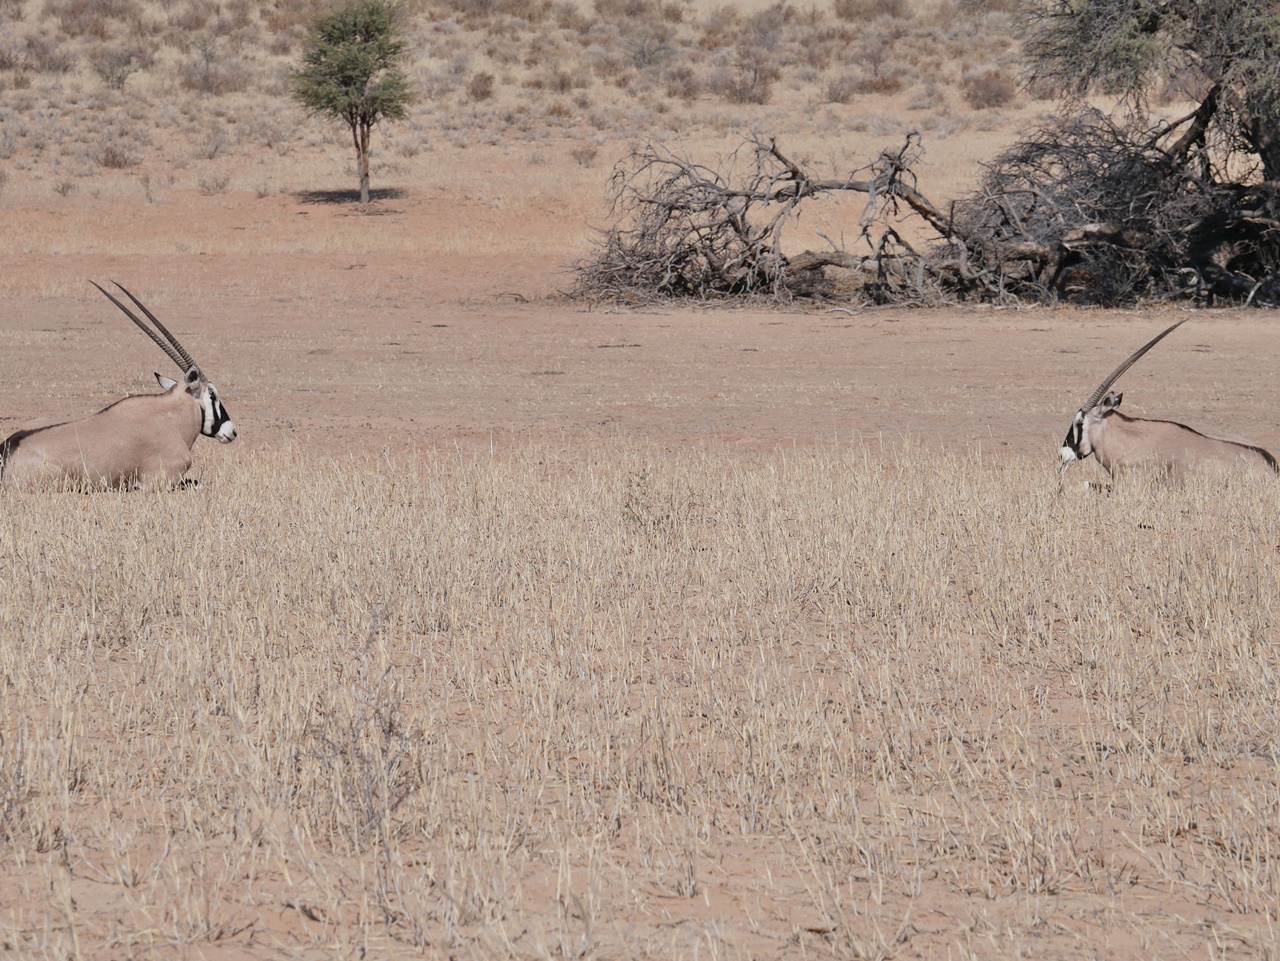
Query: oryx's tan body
pixel 145 440
pixel 1165 446
pixel 1122 443
pixel 142 440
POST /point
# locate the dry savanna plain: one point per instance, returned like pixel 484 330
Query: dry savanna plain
pixel 515 625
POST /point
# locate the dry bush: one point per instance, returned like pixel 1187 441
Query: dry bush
pixel 91 18
pixel 432 704
pixel 682 82
pixel 210 70
pixel 114 65
pixel 860 11
pixel 480 86
pixel 289 16
pixel 585 154
pixel 115 152
pixel 39 54
pixel 991 88
pixel 214 184
pixel 192 17
pixel 751 82
pixel 841 89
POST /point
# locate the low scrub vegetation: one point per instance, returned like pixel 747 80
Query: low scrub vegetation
pixel 492 64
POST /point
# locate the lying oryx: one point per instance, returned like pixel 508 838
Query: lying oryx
pixel 1168 447
pixel 145 439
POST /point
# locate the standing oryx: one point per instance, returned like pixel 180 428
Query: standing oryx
pixel 1174 449
pixel 144 439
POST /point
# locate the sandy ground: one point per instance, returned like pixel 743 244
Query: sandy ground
pixel 337 355
pixel 350 351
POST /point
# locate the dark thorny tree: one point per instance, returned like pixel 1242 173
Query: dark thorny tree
pixel 1092 207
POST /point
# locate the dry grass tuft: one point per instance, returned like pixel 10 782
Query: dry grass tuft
pixel 632 703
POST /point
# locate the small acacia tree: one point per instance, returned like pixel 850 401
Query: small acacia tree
pixel 351 72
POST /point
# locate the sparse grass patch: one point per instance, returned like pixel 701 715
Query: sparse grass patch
pixel 437 688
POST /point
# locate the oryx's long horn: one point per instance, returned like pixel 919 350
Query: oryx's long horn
pixel 1133 359
pixel 172 349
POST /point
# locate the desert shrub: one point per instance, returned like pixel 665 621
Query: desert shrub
pixel 114 65
pixel 627 9
pixel 840 89
pixel 4 179
pixel 214 184
pixel 766 29
pixel 859 10
pixel 89 18
pixel 604 62
pixel 648 48
pixel 288 15
pixel 559 81
pixel 682 82
pixel 209 72
pixel 533 11
pixel 884 82
pixel 585 154
pixel 480 86
pixel 194 16
pixel 113 153
pixel 751 83
pixel 42 55
pixel 991 88
pixel 11 10
pixel 569 16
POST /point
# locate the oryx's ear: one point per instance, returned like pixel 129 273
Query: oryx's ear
pixel 1111 401
pixel 166 383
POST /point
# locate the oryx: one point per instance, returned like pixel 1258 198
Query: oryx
pixel 1174 449
pixel 144 439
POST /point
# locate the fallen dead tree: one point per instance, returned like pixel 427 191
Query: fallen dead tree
pixel 1083 210
pixel 686 229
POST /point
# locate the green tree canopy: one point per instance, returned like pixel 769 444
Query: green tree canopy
pixel 351 71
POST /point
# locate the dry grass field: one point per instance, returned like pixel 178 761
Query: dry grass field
pixel 514 626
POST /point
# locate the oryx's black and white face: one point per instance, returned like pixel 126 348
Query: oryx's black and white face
pixel 1078 445
pixel 215 422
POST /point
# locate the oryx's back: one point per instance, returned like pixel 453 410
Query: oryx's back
pixel 138 439
pixel 144 439
pixel 1122 443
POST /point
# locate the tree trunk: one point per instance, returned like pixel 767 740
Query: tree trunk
pixel 364 163
pixel 360 134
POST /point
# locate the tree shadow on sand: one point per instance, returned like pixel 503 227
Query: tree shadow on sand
pixel 348 196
